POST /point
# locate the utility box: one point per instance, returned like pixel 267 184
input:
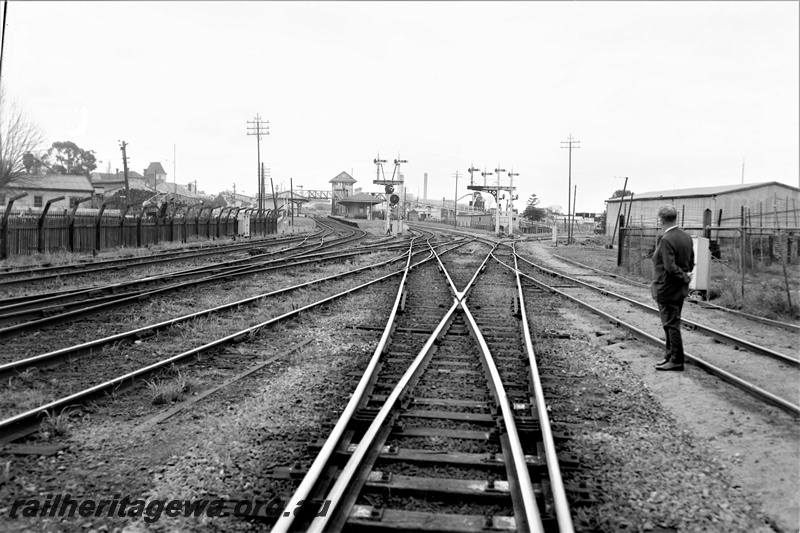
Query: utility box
pixel 702 264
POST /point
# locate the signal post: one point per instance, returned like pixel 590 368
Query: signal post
pixel 392 200
pixel 495 191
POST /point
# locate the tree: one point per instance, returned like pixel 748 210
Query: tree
pixel 220 201
pixel 18 137
pixel 67 158
pixel 532 212
pixel 137 197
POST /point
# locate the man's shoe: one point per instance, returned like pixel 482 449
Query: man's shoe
pixel 662 363
pixel 671 366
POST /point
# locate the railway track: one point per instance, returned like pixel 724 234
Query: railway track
pixel 757 369
pixel 448 428
pixel 142 365
pixel 34 312
pixel 11 276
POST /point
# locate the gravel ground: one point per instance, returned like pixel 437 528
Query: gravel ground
pixel 682 451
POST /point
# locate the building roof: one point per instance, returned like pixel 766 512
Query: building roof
pixel 154 168
pixel 700 191
pixel 360 198
pixel 176 189
pixel 343 177
pixel 105 176
pixel 55 182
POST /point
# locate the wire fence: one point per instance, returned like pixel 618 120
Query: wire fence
pixel 740 249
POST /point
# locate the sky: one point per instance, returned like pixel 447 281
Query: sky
pixel 668 94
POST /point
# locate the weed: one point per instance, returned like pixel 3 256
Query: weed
pixel 6 476
pixel 27 376
pixel 55 425
pixel 171 390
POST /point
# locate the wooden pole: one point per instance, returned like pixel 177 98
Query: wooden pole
pixel 783 263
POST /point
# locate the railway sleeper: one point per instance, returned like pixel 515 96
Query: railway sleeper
pixel 481 490
pixel 368 518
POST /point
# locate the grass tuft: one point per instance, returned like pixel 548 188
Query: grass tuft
pixel 173 387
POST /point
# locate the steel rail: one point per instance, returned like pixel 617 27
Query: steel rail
pixel 532 517
pixel 563 515
pixel 29 417
pixel 13 367
pixel 746 386
pixel 775 323
pixel 323 458
pixel 183 253
pixel 130 297
pixel 59 304
pixel 225 265
pixel 321 461
pixel 230 268
pixel 87 268
pixel 711 332
pixel 346 475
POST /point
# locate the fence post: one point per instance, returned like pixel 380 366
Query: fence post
pixel 71 235
pixel 621 244
pixel 40 232
pixel 197 220
pixel 4 229
pixel 97 227
pixel 139 228
pixel 123 214
pixel 208 224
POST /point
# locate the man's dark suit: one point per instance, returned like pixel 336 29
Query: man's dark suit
pixel 672 262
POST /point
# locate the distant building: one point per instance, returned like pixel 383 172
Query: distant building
pixel 155 174
pixel 358 205
pixel 342 188
pixel 720 206
pixel 111 183
pixel 46 187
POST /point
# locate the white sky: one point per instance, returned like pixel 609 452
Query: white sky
pixel 671 94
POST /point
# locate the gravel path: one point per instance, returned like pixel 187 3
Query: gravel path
pixel 702 448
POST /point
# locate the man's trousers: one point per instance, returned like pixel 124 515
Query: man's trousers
pixel 671 321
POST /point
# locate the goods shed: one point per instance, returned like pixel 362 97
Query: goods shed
pixel 769 204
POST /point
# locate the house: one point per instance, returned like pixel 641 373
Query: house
pixel 768 204
pixel 285 199
pixel 475 220
pixel 46 187
pixel 155 174
pixel 111 183
pixel 357 206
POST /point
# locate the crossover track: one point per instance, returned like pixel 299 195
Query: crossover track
pixel 438 416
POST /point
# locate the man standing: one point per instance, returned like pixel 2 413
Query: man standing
pixel 673 261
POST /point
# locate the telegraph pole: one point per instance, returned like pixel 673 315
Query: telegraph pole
pixel 455 202
pixel 122 147
pixel 258 128
pixel 570 142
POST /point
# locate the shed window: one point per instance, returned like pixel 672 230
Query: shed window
pixel 37 201
pixel 2 199
pixel 72 201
